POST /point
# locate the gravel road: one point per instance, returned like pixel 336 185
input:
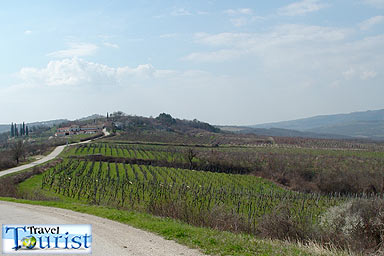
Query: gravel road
pixel 109 237
pixel 47 158
pixel 125 240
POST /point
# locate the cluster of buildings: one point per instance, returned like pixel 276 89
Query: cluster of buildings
pixel 76 129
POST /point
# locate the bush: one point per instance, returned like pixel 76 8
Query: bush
pixel 281 224
pixel 360 223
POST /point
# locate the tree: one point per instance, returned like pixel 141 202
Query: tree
pixel 12 131
pixel 190 155
pixel 16 131
pixel 18 150
pixel 23 128
pixel 166 119
pixel 26 130
pixel 20 129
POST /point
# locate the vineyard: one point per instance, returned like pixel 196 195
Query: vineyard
pixel 144 152
pixel 184 194
pixel 151 152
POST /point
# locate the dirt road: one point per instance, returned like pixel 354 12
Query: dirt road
pixel 47 158
pixel 109 237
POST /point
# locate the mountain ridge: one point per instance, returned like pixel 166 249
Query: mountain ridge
pixel 363 124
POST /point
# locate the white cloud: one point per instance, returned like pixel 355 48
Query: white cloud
pixel 80 73
pixel 180 12
pixel 239 22
pixel 368 75
pixel 170 35
pixel 67 72
pixel 116 46
pixel 246 11
pixel 28 32
pixel 369 23
pixel 75 50
pixel 301 8
pixel 348 74
pixel 298 57
pixel 202 13
pixel 359 72
pixel 244 44
pixel 375 3
pixel 215 56
pixel 242 16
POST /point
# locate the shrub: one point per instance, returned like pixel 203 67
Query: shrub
pixel 281 224
pixel 360 223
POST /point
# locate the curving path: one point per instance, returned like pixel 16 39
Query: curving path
pixel 47 158
pixel 109 237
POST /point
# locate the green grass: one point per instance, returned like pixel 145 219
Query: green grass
pixel 209 241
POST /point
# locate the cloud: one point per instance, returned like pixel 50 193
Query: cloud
pixel 368 75
pixel 169 35
pixel 246 11
pixel 85 87
pixel 239 22
pixel 235 45
pixel 369 23
pixel 375 3
pixel 75 50
pixel 352 73
pixel 301 8
pixel 67 72
pixel 215 56
pixel 76 72
pixel 242 16
pixel 180 12
pixel 348 74
pixel 28 32
pixel 297 57
pixel 202 13
pixel 116 46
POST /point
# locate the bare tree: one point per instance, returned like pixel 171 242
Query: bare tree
pixel 18 150
pixel 190 155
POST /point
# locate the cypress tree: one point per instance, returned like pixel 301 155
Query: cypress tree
pixel 26 130
pixel 12 131
pixel 20 129
pixel 16 131
pixel 23 128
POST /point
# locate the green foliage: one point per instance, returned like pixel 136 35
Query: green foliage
pixel 166 119
pixel 191 196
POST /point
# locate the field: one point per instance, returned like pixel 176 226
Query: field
pixel 274 191
pixel 184 194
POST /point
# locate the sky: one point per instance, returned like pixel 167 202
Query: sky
pixel 225 62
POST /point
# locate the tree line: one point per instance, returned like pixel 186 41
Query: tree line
pixel 22 130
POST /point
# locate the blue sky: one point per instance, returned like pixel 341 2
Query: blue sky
pixel 225 62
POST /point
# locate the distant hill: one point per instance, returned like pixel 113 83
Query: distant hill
pixel 368 124
pixel 5 128
pixel 50 123
pixel 281 132
pixel 94 116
